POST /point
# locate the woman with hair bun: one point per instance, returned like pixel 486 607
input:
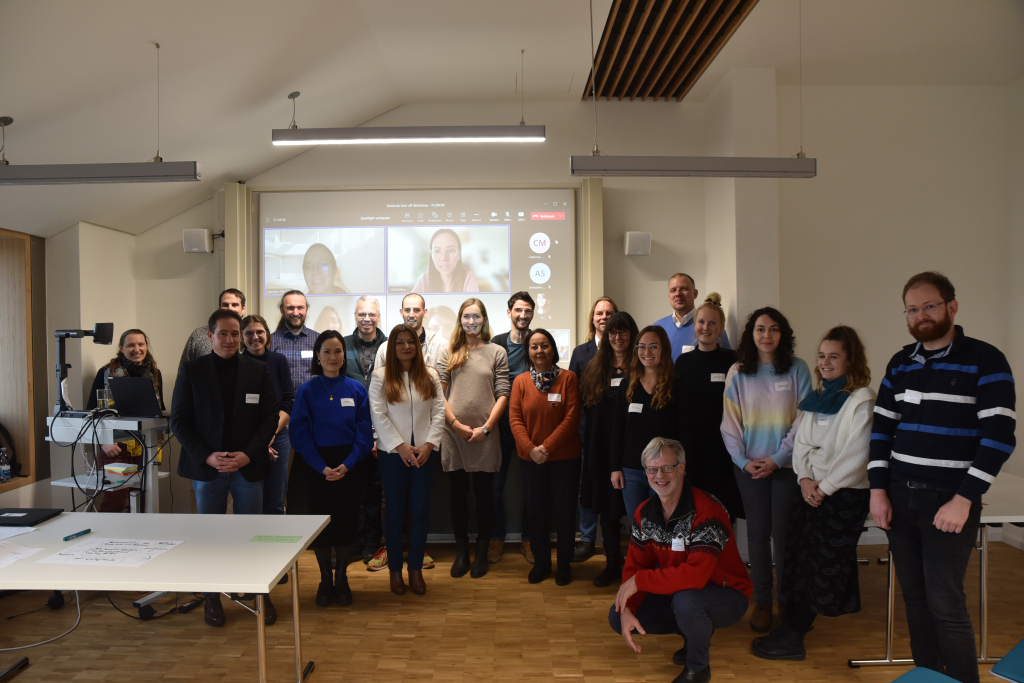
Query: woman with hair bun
pixel 702 371
pixel 759 422
pixel 830 458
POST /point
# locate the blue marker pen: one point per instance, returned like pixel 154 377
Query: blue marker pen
pixel 80 533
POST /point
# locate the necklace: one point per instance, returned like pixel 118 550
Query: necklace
pixel 329 392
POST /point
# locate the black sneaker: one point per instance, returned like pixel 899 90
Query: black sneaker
pixel 584 551
pixel 782 643
pixel 679 656
pixel 539 573
pixel 687 676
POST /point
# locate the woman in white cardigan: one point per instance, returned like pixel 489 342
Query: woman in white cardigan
pixel 407 409
pixel 830 458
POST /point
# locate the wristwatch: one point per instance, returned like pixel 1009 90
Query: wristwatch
pixel 486 431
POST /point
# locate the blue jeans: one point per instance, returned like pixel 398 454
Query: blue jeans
pixel 276 483
pixel 588 525
pixel 637 490
pixel 508 454
pixel 693 614
pixel 406 488
pixel 212 496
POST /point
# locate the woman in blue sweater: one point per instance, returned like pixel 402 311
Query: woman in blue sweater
pixel 332 429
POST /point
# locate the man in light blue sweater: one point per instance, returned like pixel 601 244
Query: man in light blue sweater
pixel 682 292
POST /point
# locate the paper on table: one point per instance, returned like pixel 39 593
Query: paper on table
pixel 275 539
pixel 12 552
pixel 111 552
pixel 12 531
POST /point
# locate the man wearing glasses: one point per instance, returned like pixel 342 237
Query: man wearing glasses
pixel 943 427
pixel 683 573
pixel 361 350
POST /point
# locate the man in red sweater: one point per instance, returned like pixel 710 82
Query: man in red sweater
pixel 683 573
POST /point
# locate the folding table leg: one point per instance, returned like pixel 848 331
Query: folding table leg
pixel 261 638
pixel 890 618
pixel 300 673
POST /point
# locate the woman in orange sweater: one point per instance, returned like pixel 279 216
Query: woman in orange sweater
pixel 544 413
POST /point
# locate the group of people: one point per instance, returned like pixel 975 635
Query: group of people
pixel 665 424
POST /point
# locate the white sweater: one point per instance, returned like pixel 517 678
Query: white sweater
pixel 818 454
pixel 414 421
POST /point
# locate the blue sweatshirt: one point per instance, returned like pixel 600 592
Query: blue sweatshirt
pixel 319 421
pixel 684 336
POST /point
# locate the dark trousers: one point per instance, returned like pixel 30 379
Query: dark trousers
pixel 552 487
pixel 693 614
pixel 508 454
pixel 930 566
pixel 482 482
pixel 407 489
pixel 371 528
pixel 767 503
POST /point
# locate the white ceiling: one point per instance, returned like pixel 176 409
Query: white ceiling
pixel 79 78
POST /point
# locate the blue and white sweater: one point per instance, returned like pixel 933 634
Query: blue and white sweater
pixel 947 421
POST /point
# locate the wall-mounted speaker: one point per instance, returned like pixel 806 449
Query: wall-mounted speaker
pixel 638 243
pixel 198 241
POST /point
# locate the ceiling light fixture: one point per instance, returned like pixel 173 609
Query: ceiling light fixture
pixel 155 171
pixel 597 165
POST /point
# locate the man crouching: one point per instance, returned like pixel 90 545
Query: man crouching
pixel 683 573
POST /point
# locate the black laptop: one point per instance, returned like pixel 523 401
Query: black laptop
pixel 134 397
pixel 26 516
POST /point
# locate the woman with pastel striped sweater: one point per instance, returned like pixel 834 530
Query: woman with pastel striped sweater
pixel 759 423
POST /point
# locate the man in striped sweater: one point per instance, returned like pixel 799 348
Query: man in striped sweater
pixel 944 425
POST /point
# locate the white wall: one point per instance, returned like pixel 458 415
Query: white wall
pixel 1015 229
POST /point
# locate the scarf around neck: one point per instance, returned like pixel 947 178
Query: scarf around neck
pixel 544 380
pixel 122 367
pixel 830 400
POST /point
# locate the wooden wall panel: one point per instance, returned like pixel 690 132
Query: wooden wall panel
pixel 15 403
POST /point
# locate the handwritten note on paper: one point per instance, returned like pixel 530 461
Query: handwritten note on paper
pixel 111 552
pixel 12 552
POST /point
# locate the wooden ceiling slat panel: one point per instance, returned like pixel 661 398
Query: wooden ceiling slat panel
pixel 666 6
pixel 629 49
pixel 695 73
pixel 668 54
pixel 680 57
pixel 600 50
pixel 677 41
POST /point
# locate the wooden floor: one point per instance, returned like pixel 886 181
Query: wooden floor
pixel 498 628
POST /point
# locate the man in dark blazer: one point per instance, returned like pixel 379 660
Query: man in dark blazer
pixel 224 415
pixel 600 313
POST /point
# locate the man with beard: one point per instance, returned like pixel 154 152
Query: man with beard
pixel 198 343
pixel 413 312
pixel 943 427
pixel 295 341
pixel 520 311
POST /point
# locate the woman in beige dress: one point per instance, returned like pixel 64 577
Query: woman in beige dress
pixel 474 376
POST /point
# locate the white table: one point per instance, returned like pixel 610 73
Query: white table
pixel 1002 504
pixel 216 556
pixel 65 429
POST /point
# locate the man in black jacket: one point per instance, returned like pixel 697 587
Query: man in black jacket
pixel 224 414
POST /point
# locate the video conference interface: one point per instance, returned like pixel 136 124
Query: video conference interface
pixel 447 245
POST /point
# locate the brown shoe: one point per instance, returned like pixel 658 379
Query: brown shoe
pixel 527 552
pixel 397 584
pixel 416 583
pixel 494 550
pixel 761 619
pixel 269 611
pixel 213 612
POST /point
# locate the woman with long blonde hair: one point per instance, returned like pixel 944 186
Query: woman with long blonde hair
pixel 474 378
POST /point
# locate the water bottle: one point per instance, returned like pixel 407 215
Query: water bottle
pixel 5 466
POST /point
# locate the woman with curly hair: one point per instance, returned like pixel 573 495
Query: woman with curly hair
pixel 760 419
pixel 649 404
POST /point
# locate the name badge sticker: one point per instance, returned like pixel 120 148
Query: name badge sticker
pixel 348 403
pixel 913 396
pixel 252 398
pixel 679 544
pixel 636 407
pixel 617 381
pixel 555 398
pixel 717 376
pixel 785 385
pixel 823 420
pixel 305 354
pixel 687 348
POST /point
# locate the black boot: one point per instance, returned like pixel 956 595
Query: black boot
pixel 325 592
pixel 612 572
pixel 480 561
pixel 342 592
pixel 782 643
pixel 461 564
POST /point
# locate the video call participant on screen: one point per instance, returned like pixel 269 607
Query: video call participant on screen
pixel 198 343
pixel 445 270
pixel 600 313
pixel 360 359
pixel 520 313
pixel 414 312
pixel 679 326
pixel 440 320
pixel 224 414
pixel 320 269
pixel 293 340
pixel 329 319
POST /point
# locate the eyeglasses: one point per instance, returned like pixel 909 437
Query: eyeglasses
pixel 249 334
pixel 647 347
pixel 365 316
pixel 322 267
pixel 914 311
pixel 618 333
pixel 449 252
pixel 651 471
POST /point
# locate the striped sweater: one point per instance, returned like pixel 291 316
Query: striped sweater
pixel 947 421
